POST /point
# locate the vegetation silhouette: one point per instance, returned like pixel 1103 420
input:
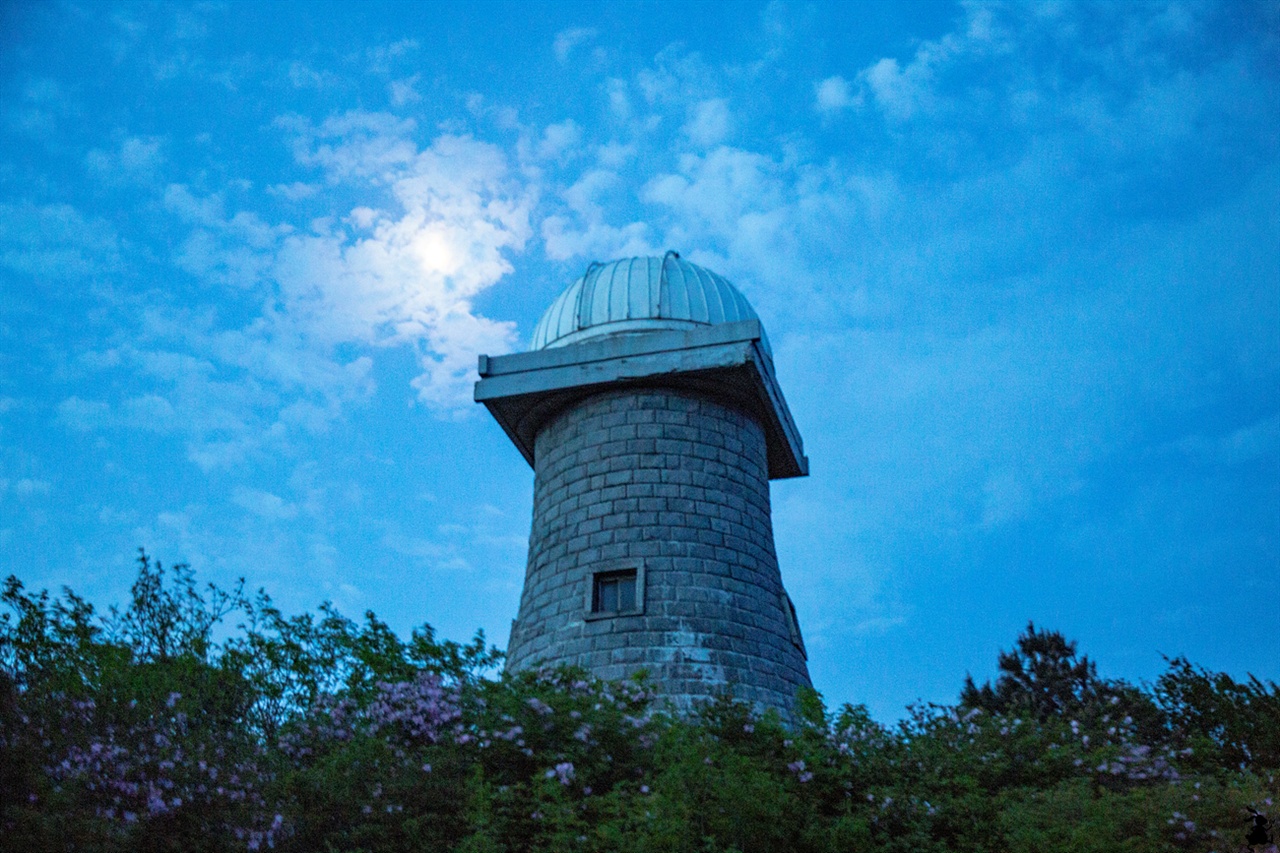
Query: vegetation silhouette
pixel 201 719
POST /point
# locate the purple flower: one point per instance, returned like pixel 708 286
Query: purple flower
pixel 563 771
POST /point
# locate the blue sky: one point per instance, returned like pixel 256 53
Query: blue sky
pixel 1020 267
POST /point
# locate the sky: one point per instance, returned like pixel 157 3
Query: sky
pixel 1019 266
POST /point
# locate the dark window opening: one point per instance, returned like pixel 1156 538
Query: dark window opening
pixel 614 592
pixel 793 624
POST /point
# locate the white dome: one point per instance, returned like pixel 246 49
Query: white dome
pixel 640 295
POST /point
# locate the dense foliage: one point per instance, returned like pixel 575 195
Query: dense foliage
pixel 208 721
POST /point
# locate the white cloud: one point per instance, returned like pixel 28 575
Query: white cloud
pixel 263 504
pixel 567 40
pixel 619 99
pixel 564 239
pixel 138 154
pixel 296 191
pixel 136 158
pixel 54 242
pixel 559 139
pixel 303 76
pixel 614 155
pixel 404 92
pixel 84 415
pixel 150 412
pixel 583 196
pixel 383 58
pixel 112 517
pixel 586 233
pixel 710 122
pixel 1240 446
pixel 355 144
pixel 401 274
pixel 833 95
pixel 233 251
pixel 408 275
pixel 243 389
pixel 719 189
pixel 43 106
pixel 453 546
pixel 897 93
pixel 905 91
pixel 25 487
pixel 203 211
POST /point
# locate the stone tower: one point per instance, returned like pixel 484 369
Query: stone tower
pixel 649 410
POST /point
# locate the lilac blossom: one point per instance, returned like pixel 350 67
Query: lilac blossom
pixel 150 766
pixel 563 771
pixel 417 711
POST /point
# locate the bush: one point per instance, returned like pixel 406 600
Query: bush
pixel 141 730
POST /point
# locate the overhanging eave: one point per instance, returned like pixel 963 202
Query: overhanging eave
pixel 523 390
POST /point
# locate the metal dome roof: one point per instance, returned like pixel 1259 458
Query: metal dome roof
pixel 640 295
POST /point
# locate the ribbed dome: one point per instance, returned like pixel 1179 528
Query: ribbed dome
pixel 640 295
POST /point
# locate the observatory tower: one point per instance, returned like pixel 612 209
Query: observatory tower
pixel 649 410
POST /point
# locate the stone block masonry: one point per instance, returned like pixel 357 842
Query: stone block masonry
pixel 673 486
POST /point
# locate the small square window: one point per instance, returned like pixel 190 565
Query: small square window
pixel 614 588
pixel 614 592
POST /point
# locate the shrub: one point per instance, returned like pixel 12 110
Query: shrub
pixel 141 730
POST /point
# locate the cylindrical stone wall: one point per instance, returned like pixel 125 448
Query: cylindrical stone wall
pixel 675 486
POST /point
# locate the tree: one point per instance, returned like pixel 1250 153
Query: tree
pixel 1227 722
pixel 1042 676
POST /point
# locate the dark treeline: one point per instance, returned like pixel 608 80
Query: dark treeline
pixel 138 729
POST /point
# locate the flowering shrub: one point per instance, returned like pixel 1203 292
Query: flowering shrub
pixel 138 731
pixel 155 766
